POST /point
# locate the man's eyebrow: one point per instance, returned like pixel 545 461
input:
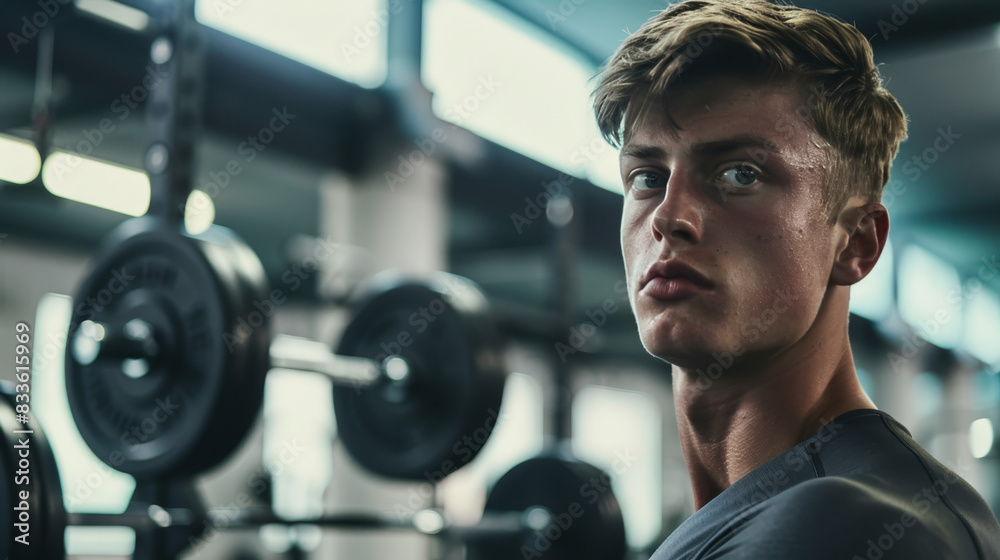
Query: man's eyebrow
pixel 643 151
pixel 714 147
pixel 725 145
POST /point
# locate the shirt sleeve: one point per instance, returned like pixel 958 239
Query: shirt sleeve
pixel 838 519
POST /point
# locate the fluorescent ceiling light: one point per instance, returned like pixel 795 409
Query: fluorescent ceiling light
pixel 19 160
pixel 123 15
pixel 97 183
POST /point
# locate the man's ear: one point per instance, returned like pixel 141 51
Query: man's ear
pixel 866 228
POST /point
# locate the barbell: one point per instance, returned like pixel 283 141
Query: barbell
pixel 170 341
pixel 550 507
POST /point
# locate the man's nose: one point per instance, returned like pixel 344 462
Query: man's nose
pixel 678 217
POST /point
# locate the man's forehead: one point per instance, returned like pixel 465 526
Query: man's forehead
pixel 718 114
pixel 751 86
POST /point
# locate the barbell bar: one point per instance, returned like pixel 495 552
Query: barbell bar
pixel 138 348
pixel 431 522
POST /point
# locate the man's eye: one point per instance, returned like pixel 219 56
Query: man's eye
pixel 739 176
pixel 648 181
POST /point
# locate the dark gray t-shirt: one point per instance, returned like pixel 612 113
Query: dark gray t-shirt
pixel 860 489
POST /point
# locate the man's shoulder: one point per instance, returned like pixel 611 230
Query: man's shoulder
pixel 836 494
pixel 831 499
pixel 844 517
pixel 831 503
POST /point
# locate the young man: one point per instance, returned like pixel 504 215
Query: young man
pixel 755 142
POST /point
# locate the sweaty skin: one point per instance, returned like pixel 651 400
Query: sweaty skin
pixel 760 357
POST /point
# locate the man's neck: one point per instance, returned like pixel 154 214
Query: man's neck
pixel 754 412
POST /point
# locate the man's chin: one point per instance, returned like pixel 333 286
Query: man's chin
pixel 688 357
pixel 686 344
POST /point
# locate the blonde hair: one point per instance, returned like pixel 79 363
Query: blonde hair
pixel 828 61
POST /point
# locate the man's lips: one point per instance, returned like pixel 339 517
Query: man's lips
pixel 672 279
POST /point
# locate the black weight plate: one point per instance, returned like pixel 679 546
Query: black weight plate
pixel 46 517
pixel 586 524
pixel 196 405
pixel 443 330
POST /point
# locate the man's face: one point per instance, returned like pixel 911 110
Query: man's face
pixel 734 194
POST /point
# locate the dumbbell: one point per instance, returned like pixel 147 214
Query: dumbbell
pixel 170 342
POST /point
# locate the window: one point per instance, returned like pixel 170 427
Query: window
pixel 297 412
pixel 930 299
pixel 344 38
pixel 620 432
pixel 982 326
pixel 531 95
